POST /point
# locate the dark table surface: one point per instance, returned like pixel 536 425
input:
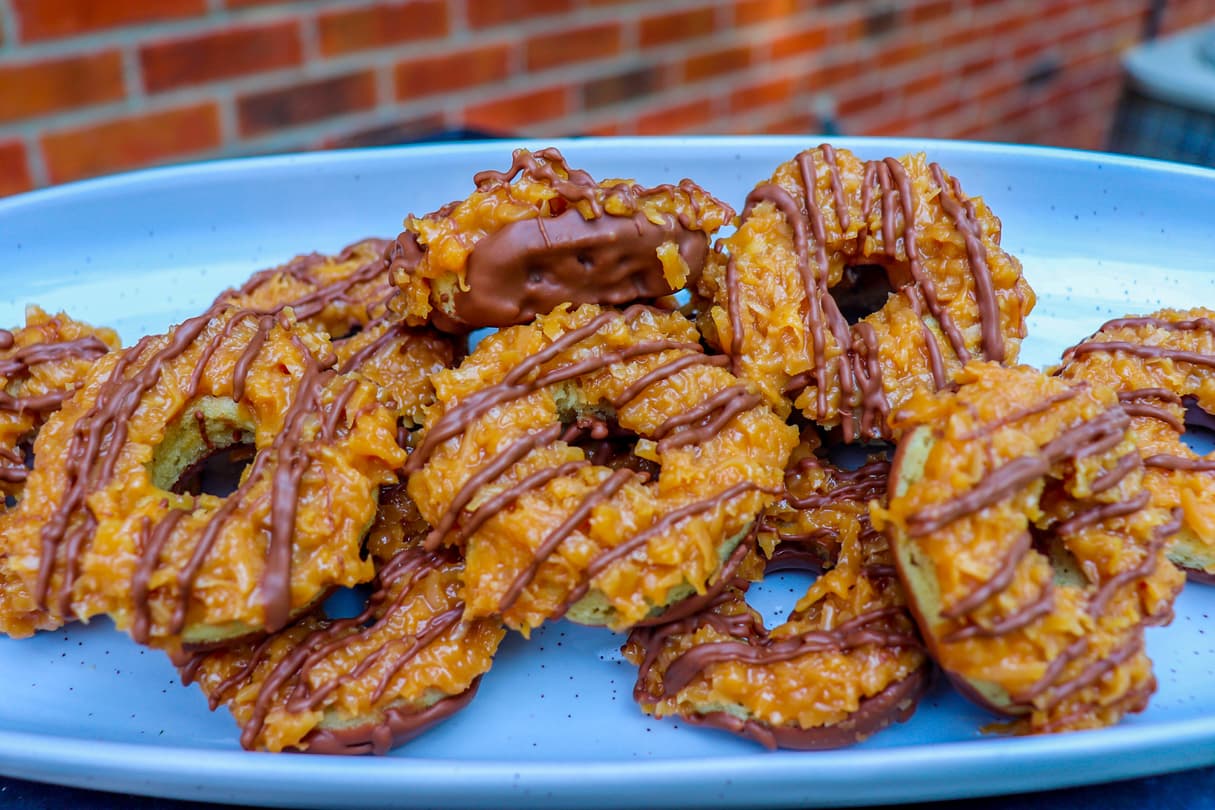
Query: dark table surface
pixel 1188 789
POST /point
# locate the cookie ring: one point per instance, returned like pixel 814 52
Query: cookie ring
pixel 1163 367
pixel 542 234
pixel 1029 552
pixel 103 533
pixel 358 685
pixel 770 300
pixel 845 664
pixel 41 366
pixel 547 529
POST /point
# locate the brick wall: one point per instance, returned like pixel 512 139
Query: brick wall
pixel 89 87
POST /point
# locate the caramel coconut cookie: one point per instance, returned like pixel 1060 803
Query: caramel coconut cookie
pixel 779 298
pixel 509 467
pixel 41 366
pixel 102 531
pixel 542 234
pixel 1030 551
pixel 847 663
pixel 1163 368
pixel 363 684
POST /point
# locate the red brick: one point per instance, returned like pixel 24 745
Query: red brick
pixel 906 52
pixel 129 142
pixel 264 112
pixel 893 128
pixel 931 11
pixel 48 19
pixel 763 94
pixel 921 84
pixel 219 55
pixel 603 91
pixel 14 169
pixel 715 63
pixel 484 13
pixel 748 12
pixel 833 76
pixel 794 124
pixel 677 26
pixel 573 45
pixel 800 42
pixel 506 115
pixel 853 104
pixel 38 88
pixel 678 118
pixel 379 26
pixel 606 130
pixel 452 71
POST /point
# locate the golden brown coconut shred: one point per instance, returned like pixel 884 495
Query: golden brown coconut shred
pixel 1163 367
pixel 102 532
pixel 1032 558
pixel 546 528
pixel 770 300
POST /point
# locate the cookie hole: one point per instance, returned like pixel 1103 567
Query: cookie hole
pixel 862 291
pixel 21 456
pixel 606 444
pixel 1199 433
pixel 193 458
pixel 218 473
pixel 778 593
pixel 349 333
pixel 586 261
pixel 346 603
pixel 855 456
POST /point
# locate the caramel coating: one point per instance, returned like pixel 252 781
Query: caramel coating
pixel 358 685
pixel 399 361
pixel 347 295
pixel 541 234
pixel 548 528
pixel 770 300
pixel 340 293
pixel 41 366
pixel 822 501
pixel 1026 541
pixel 101 530
pixel 847 663
pixel 1159 364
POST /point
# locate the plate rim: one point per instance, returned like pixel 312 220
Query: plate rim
pixel 273 162
pixel 780 778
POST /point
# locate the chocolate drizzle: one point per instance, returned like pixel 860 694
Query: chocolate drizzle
pixel 1096 435
pixel 609 487
pixel 287 685
pixel 516 385
pixel 20 361
pixel 857 368
pixel 95 446
pixel 302 269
